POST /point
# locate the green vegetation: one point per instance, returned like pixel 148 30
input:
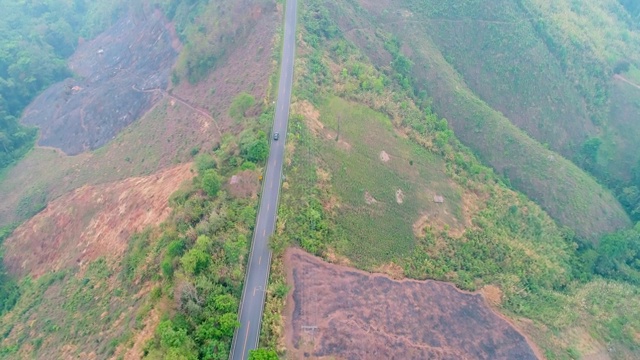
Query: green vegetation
pixel 495 236
pixel 9 291
pixel 207 29
pixel 241 103
pixel 36 39
pixel 548 67
pixel 617 256
pixel 381 208
pixel 210 182
pixel 202 262
pixel 68 307
pixel 263 354
pixel 186 273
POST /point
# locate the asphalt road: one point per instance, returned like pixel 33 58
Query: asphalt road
pixel 252 305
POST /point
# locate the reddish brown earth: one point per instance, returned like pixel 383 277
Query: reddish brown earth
pixel 90 222
pixel 340 313
pixel 244 184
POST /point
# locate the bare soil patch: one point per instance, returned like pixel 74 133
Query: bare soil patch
pixel 90 222
pixel 384 157
pixel 165 135
pixel 493 294
pixel 369 199
pixel 338 312
pixel 312 117
pixel 244 184
pixel 118 70
pixel 310 113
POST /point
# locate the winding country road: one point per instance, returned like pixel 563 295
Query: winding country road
pixel 253 295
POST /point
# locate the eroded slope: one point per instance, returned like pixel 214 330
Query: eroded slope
pixel 90 222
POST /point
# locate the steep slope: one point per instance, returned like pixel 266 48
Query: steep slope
pixel 570 195
pixel 111 275
pixel 93 221
pixel 116 85
pixel 378 180
pixel 186 117
pixel 71 253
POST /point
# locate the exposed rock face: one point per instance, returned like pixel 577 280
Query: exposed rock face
pixel 119 78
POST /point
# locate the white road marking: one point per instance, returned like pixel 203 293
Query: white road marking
pixel 246 337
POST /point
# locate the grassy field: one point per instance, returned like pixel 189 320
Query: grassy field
pixel 354 162
pixel 566 192
pixel 506 240
pixel 85 312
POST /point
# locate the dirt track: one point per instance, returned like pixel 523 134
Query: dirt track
pixel 341 313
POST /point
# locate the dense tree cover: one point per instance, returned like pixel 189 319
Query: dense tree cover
pixel 629 194
pixel 205 248
pixel 205 273
pixel 616 256
pixel 211 182
pixel 37 37
pixel 255 148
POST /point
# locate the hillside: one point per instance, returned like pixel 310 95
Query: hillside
pixel 463 166
pixel 141 236
pixel 505 122
pixel 378 179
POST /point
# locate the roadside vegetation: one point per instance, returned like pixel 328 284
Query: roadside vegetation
pixel 181 281
pixel 206 42
pixel 176 291
pixel 346 111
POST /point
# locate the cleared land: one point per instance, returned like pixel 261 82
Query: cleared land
pixel 93 221
pixel 339 312
pixel 76 303
pixel 96 289
pixel 164 136
pixel 512 249
pixel 115 72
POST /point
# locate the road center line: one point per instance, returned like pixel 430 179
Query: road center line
pixel 246 337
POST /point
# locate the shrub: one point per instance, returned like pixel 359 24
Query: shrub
pixel 211 182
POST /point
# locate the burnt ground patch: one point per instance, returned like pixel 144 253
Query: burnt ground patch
pixel 116 82
pixel 335 311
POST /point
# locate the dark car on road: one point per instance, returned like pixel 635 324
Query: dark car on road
pixel 276 136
